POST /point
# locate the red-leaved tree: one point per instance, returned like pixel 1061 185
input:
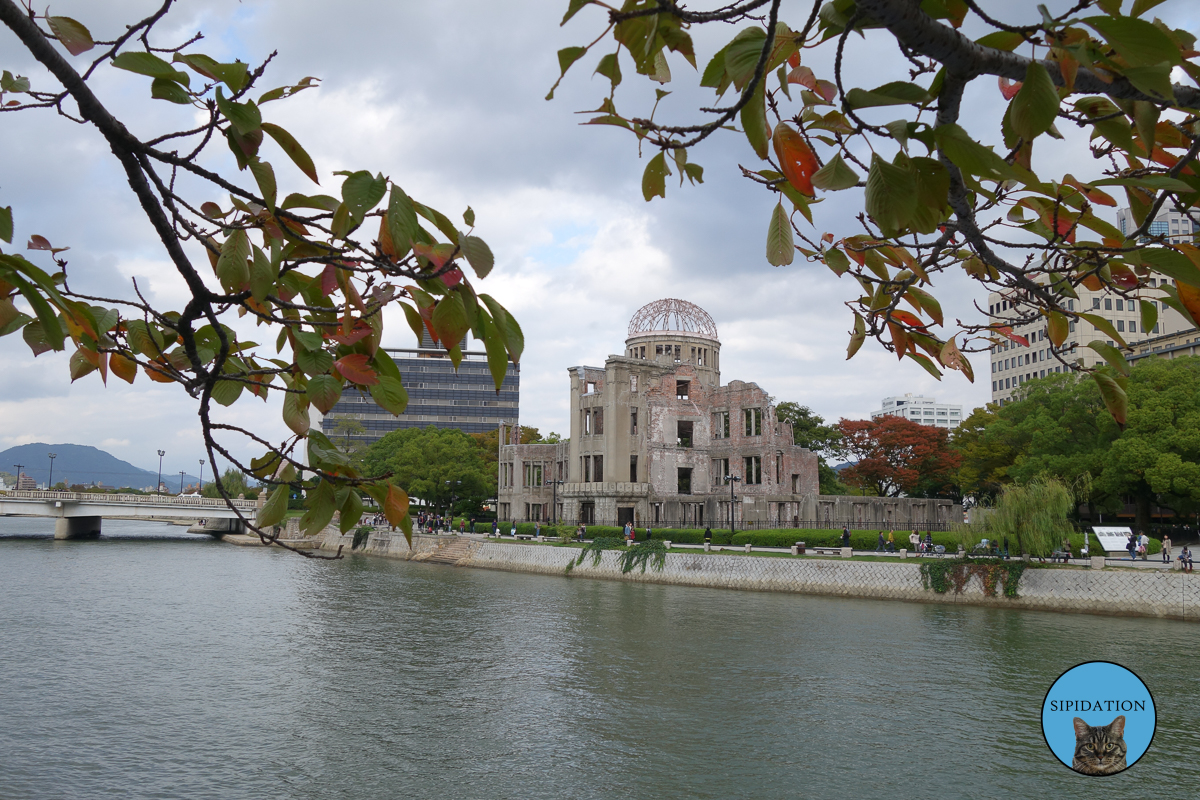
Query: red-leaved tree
pixel 895 456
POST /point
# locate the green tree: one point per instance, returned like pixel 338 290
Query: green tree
pixel 233 482
pixel 940 191
pixel 434 463
pixel 810 431
pixel 1056 430
pixel 314 271
pixel 1034 515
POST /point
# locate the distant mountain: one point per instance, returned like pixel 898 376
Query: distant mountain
pixel 78 463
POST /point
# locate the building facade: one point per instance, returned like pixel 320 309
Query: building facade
pixel 922 409
pixel 655 436
pixel 438 395
pixel 1172 225
pixel 1174 345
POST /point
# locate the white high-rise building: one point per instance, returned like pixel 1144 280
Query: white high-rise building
pixel 922 409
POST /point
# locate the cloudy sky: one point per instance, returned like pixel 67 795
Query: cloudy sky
pixel 446 98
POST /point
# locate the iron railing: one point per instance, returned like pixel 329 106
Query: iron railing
pixel 188 500
pixel 807 524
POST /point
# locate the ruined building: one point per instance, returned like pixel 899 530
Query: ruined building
pixel 655 435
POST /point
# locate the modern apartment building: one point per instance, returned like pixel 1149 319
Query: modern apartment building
pixel 438 395
pixel 1176 227
pixel 922 409
pixel 1013 364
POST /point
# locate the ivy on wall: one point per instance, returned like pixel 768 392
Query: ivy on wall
pixel 942 574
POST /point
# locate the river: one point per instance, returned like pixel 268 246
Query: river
pixel 155 664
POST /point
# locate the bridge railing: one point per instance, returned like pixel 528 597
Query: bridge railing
pixel 187 500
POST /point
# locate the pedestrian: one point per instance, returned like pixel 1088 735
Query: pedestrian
pixel 496 529
pixel 846 536
pixel 649 533
pixel 891 543
pixel 879 544
pixel 537 530
pixel 1166 548
pixel 708 535
pixel 1143 546
pixel 1185 559
pixel 1131 546
pixel 928 542
pixel 914 541
pixel 462 525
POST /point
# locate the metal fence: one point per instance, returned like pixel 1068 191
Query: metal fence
pixel 805 524
pixel 188 500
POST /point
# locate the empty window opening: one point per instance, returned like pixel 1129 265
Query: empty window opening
pixel 721 425
pixel 633 422
pixel 795 484
pixel 685 480
pixel 633 469
pixel 598 421
pixel 587 423
pixel 681 390
pixel 753 466
pixel 587 469
pixel 598 469
pixel 587 513
pixel 754 422
pixel 633 383
pixel 683 432
pixel 720 468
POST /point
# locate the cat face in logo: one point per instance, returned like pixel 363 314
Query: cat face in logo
pixel 1099 750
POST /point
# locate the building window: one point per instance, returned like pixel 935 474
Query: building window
pixel 1121 305
pixel 598 420
pixel 753 465
pixel 1120 324
pixel 633 469
pixel 598 468
pixel 633 383
pixel 753 421
pixel 683 433
pixel 778 469
pixel 795 484
pixel 587 422
pixel 685 480
pixel 721 425
pixel 681 390
pixel 720 468
pixel 1132 327
pixel 533 474
pixel 587 469
pixel 633 422
pixel 1108 304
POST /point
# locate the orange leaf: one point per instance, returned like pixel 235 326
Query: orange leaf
pixel 794 59
pixel 1007 333
pixel 1190 297
pixel 827 90
pixel 359 332
pixel 395 505
pixel 796 158
pixel 803 76
pixel 1008 89
pixel 908 318
pixel 159 374
pixel 355 369
pixel 123 367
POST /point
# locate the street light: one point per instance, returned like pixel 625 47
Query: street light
pixel 50 483
pixel 181 481
pixel 731 480
pixel 158 486
pixel 18 466
pixel 201 475
pixel 554 502
pixel 453 498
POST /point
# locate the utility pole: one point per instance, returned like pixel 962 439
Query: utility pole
pixel 731 480
pixel 18 466
pixel 181 481
pixel 158 486
pixel 50 483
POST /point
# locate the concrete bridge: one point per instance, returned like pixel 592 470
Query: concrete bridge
pixel 78 514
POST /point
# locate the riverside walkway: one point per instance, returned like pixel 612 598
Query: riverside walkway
pixel 79 514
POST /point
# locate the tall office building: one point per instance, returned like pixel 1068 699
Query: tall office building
pixel 438 395
pixel 1014 364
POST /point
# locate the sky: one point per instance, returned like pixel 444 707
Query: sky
pixel 446 99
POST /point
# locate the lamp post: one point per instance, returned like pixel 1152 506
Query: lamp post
pixel 731 480
pixel 453 498
pixel 50 483
pixel 18 466
pixel 554 502
pixel 158 486
pixel 181 481
pixel 201 476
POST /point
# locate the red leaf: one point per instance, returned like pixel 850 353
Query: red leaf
pixel 796 158
pixel 452 278
pixel 794 60
pixel 1007 333
pixel 329 280
pixel 359 332
pixel 39 243
pixel 1008 89
pixel 827 90
pixel 803 76
pixel 908 318
pixel 355 369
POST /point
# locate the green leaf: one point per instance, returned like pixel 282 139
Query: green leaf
pixel 1057 327
pixel 1171 263
pixel 654 179
pixel 1104 325
pixel 1163 182
pixel 891 195
pixel 568 56
pixel 754 122
pixel 469 217
pixel 172 92
pixel 572 9
pixel 321 504
pixel 351 511
pixel 835 175
pixel 780 248
pixel 324 391
pixel 295 412
pixel 1002 40
pixel 6 224
pixel 927 363
pixel 294 151
pixel 144 339
pixel 264 175
pixel 314 362
pixel 275 509
pixel 79 365
pixel 262 275
pixel 71 34
pixel 1149 315
pixel 890 94
pixel 1111 354
pixel 610 67
pixel 857 337
pixel 450 319
pixel 361 192
pixel 150 65
pixel 1115 399
pixel 439 219
pixel 402 222
pixel 837 261
pixel 478 254
pixel 1035 107
pixel 970 156
pixel 1142 6
pixel 1141 43
pixel 226 392
pixel 390 394
pixel 245 117
pixel 232 269
pixel 51 328
pixel 1152 81
pixel 11 320
pixel 232 75
pixel 507 327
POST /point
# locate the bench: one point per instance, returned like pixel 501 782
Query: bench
pixel 824 551
pixel 523 536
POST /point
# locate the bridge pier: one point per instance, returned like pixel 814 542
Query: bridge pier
pixel 77 527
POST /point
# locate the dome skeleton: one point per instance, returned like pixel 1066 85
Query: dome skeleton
pixel 672 315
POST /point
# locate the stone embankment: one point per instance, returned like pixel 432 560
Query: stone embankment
pixel 1119 592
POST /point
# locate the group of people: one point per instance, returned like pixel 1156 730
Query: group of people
pixel 1185 554
pixel 435 523
pixel 888 545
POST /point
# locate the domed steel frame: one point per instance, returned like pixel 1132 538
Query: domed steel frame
pixel 672 315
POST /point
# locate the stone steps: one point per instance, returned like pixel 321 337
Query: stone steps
pixel 453 551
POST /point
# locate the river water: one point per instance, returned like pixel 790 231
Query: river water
pixel 154 664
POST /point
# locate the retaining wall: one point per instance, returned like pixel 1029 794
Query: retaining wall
pixel 1117 592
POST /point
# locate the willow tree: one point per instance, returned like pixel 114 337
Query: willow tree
pixel 313 271
pixel 1034 515
pixel 939 193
